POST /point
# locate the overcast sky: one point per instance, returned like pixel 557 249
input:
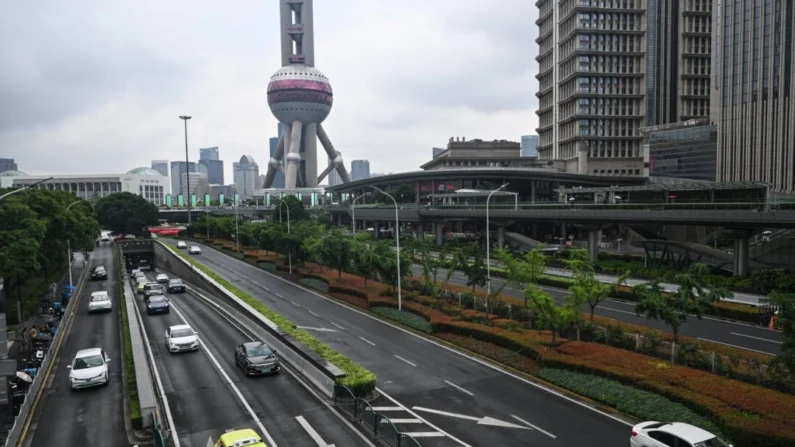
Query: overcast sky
pixel 90 86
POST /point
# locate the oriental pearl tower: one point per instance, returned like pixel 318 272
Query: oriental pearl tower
pixel 300 97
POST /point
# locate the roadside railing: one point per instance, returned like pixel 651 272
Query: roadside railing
pixel 381 426
pixel 653 206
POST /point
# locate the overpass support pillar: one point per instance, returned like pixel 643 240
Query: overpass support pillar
pixel 439 233
pixel 593 244
pixel 420 231
pixel 377 229
pixel 500 236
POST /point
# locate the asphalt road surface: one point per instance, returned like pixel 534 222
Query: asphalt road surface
pixel 438 395
pixel 91 417
pixel 739 335
pixel 208 394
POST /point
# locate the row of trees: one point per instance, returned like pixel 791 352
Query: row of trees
pixel 34 229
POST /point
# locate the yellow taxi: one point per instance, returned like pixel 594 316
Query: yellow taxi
pixel 240 438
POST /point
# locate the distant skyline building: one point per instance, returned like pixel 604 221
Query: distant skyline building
pixel 8 164
pixel 300 96
pixel 211 165
pixel 246 177
pixel 177 170
pixel 209 153
pixel 199 186
pixel 160 166
pixel 333 177
pixel 530 146
pixel 360 170
pixel 278 179
pixel 754 108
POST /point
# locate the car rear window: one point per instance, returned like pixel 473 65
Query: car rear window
pixel 157 299
pixel 175 282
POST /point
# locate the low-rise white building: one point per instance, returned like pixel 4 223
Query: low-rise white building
pixel 145 182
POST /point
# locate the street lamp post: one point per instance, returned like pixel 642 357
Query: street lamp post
pixel 353 210
pixel 488 240
pixel 24 188
pixel 207 222
pixel 290 248
pixel 187 164
pixel 397 242
pixel 69 246
pixel 237 229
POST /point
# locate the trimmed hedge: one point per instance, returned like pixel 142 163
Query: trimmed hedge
pixel 626 399
pixel 358 379
pixel 268 266
pixel 136 418
pixel 409 319
pixel 314 283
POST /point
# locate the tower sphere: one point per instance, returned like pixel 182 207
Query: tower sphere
pixel 300 92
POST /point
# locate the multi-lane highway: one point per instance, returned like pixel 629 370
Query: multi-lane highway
pixel 711 329
pixel 92 416
pixel 208 395
pixel 438 395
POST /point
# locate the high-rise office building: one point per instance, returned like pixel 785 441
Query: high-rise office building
pixel 246 173
pixel 753 102
pixel 437 151
pixel 212 165
pixel 333 176
pixel 8 164
pixel 177 170
pixel 199 186
pixel 160 166
pixel 278 179
pixel 530 146
pixel 209 153
pixel 360 169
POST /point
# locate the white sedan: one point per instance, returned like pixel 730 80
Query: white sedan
pixel 182 244
pixel 195 250
pixel 89 368
pixel 182 338
pixel 670 434
pixel 161 277
pixel 100 302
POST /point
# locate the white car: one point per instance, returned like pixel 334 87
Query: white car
pixel 89 368
pixel 182 244
pixel 161 277
pixel 673 434
pixel 195 250
pixel 182 338
pixel 100 302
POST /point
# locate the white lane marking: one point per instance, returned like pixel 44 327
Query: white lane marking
pixel 533 426
pixel 456 386
pixel 337 325
pixel 617 310
pixel 404 421
pixel 229 381
pixel 295 304
pixel 447 348
pixel 463 444
pixel 314 314
pixel 312 433
pixel 736 346
pixel 298 379
pixel 366 341
pixel 278 295
pixel 376 409
pixel 401 358
pixel 265 288
pixel 425 434
pixel 755 338
pixel 485 420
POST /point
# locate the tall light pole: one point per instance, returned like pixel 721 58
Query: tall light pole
pixel 69 246
pixel 207 222
pixel 488 240
pixel 353 210
pixel 24 188
pixel 397 241
pixel 187 164
pixel 290 247
pixel 237 229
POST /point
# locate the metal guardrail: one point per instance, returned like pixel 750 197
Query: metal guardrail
pixel 36 389
pixel 381 426
pixel 655 206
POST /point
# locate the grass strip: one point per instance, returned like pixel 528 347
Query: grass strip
pixel 357 378
pixel 409 319
pixel 129 364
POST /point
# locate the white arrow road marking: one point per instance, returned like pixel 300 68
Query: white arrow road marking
pixel 319 329
pixel 210 442
pixel 424 434
pixel 486 420
pixel 312 433
pixel 531 425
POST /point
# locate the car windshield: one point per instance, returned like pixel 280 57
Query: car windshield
pixel 259 351
pixel 178 333
pixel 157 299
pixel 88 362
pixel 95 298
pixel 175 282
pixel 714 442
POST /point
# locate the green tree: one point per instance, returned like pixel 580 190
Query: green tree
pixel 403 194
pixel 476 270
pixel 337 250
pixel 364 258
pixel 693 290
pixel 655 303
pixel 585 288
pixel 525 270
pixel 21 233
pixel 786 323
pixel 126 213
pixel 297 210
pixel 548 314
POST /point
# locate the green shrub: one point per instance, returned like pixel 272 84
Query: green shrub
pixel 314 283
pixel 267 266
pixel 626 399
pixel 409 319
pixel 357 378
